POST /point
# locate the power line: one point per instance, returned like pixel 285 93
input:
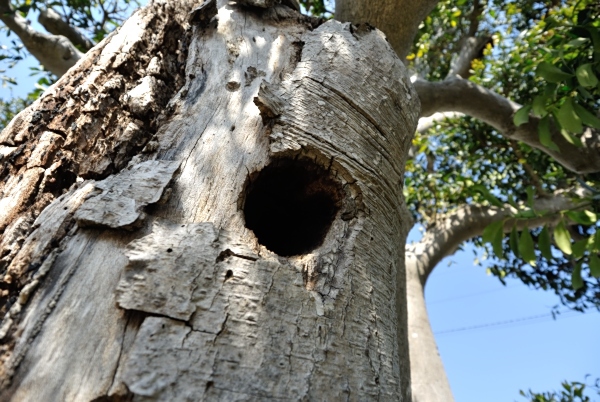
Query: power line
pixel 522 320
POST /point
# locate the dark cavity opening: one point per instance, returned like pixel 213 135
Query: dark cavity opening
pixel 291 204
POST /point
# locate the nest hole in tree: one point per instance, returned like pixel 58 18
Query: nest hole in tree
pixel 291 204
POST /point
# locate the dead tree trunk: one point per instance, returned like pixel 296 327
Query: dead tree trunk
pixel 209 206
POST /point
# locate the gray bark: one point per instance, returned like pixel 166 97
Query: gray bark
pixel 429 382
pixel 54 24
pixel 55 52
pixel 141 280
pixel 399 20
pixel 460 95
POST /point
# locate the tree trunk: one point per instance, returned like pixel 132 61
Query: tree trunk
pixel 211 212
pixel 429 382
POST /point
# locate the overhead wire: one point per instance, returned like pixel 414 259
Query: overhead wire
pixel 518 321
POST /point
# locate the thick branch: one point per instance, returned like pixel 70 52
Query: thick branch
pixel 55 52
pixel 54 24
pixel 398 19
pixel 469 221
pixel 425 123
pixel 459 95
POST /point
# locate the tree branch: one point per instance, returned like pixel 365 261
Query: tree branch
pixel 449 232
pixel 460 95
pixel 470 50
pixel 398 19
pixel 55 52
pixel 474 18
pixel 533 176
pixel 54 24
pixel 425 123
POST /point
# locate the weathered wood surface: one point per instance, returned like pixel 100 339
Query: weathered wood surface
pixel 161 306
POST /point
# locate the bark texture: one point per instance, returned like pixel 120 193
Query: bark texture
pixel 399 20
pixel 429 382
pixel 142 281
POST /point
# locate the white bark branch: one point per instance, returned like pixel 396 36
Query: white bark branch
pixel 429 382
pixel 55 52
pixel 459 95
pixel 469 221
pixel 54 24
pixel 425 123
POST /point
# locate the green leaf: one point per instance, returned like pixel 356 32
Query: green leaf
pixel 595 266
pixel 525 214
pixel 585 93
pixel 583 217
pixel 530 194
pixel 579 248
pixel 544 243
pixel 483 190
pixel 586 117
pixel 539 105
pixel 522 115
pixel 576 280
pixel 514 241
pixel 568 119
pixel 526 247
pixel 585 76
pixel 546 135
pixel 595 35
pixel 571 139
pixel 552 73
pixel 577 42
pixel 493 234
pixel 562 237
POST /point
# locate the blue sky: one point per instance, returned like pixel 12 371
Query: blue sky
pixel 489 364
pixel 493 363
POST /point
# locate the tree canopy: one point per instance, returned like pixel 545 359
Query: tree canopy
pixel 545 56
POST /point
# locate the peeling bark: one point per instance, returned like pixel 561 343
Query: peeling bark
pixel 84 125
pixel 144 282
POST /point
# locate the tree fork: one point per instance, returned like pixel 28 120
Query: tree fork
pixel 144 277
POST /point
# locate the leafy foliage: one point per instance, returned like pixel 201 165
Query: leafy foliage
pixel 570 392
pixel 566 66
pixel 9 57
pixel 318 8
pixel 10 108
pixel 543 54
